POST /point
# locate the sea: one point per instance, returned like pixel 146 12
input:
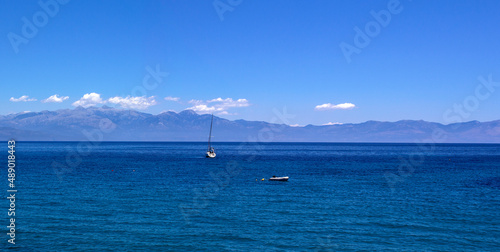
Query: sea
pixel 166 196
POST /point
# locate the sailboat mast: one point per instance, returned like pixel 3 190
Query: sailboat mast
pixel 210 135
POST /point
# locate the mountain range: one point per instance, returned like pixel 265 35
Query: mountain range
pixel 111 124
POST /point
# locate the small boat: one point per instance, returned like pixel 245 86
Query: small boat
pixel 274 178
pixel 211 151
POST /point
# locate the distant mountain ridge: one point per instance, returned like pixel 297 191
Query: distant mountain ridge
pixel 111 124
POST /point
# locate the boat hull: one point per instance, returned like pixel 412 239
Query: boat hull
pixel 210 154
pixel 279 179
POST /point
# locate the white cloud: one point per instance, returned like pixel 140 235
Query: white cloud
pixel 329 106
pixel 170 98
pixel 218 105
pixel 229 103
pixel 137 102
pixel 333 123
pixel 55 98
pixel 296 125
pixel 23 98
pixel 89 100
pixel 204 109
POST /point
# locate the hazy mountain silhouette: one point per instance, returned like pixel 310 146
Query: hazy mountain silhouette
pixel 110 124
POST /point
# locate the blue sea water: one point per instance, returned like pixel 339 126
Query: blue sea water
pixel 133 196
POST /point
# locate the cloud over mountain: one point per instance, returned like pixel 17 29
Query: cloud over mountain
pixel 218 105
pixel 23 98
pixel 89 100
pixel 137 102
pixel 55 98
pixel 329 106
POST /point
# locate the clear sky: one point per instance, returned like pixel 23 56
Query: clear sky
pixel 325 61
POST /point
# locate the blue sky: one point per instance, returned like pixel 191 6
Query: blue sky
pixel 258 57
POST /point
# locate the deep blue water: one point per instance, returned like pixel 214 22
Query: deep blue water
pixel 340 197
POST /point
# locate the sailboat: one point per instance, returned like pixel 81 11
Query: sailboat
pixel 211 150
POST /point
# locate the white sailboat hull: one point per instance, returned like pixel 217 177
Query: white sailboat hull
pixel 210 154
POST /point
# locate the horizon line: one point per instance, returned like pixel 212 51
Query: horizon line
pixel 269 143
